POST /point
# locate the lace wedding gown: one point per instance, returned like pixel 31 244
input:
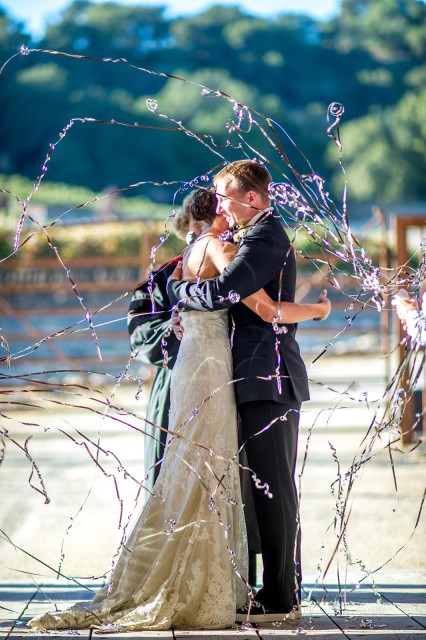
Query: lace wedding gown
pixel 180 566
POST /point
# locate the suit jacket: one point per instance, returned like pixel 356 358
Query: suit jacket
pixel 264 251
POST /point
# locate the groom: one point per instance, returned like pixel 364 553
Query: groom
pixel 271 383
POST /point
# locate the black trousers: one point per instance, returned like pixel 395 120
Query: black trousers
pixel 272 457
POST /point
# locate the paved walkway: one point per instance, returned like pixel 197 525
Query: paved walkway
pixel 51 449
pixel 393 610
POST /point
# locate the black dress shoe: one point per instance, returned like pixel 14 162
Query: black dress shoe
pixel 257 612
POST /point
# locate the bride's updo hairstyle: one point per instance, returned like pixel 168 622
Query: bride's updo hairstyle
pixel 202 205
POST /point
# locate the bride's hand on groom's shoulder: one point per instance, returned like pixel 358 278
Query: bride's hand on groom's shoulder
pixel 176 323
pixel 177 273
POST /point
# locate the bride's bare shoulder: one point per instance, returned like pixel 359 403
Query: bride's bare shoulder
pixel 208 257
pixel 221 253
pixel 219 246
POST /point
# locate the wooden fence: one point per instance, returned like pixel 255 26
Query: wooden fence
pixel 44 323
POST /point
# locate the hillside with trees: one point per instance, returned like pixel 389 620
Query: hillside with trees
pixel 370 57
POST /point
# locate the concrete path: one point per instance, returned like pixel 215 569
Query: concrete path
pixel 395 610
pixel 72 448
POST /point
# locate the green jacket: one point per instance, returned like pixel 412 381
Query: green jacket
pixel 146 329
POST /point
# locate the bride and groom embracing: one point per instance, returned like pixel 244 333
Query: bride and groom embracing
pixel 184 563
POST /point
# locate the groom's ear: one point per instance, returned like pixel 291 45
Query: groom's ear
pixel 253 199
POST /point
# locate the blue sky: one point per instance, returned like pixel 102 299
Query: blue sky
pixel 35 13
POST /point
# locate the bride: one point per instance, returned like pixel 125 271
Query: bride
pixel 184 563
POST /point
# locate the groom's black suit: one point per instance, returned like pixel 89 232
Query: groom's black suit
pixel 263 253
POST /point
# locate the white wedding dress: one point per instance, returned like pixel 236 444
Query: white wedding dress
pixel 181 565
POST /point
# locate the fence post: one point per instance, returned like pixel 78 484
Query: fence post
pixel 402 223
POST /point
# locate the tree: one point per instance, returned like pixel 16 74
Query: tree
pixel 384 153
pixel 371 58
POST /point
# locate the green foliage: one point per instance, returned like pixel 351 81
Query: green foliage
pixel 49 76
pixel 80 242
pixel 390 30
pixel 12 35
pixel 371 57
pixel 68 202
pixel 386 151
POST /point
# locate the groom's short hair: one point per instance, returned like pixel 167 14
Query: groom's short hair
pixel 247 175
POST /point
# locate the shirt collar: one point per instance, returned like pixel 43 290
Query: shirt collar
pixel 259 216
pixel 240 231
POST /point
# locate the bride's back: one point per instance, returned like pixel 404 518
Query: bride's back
pixel 199 258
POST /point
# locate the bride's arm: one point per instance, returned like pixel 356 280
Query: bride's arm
pixel 222 253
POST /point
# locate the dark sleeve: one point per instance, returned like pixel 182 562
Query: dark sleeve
pixel 146 328
pixel 251 269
